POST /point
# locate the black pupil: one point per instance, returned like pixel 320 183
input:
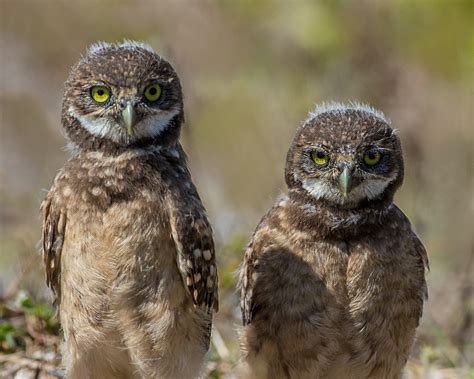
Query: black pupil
pixel 320 155
pixel 372 155
pixel 100 92
pixel 152 91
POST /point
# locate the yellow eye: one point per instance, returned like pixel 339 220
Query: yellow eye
pixel 100 94
pixel 372 157
pixel 320 157
pixel 153 92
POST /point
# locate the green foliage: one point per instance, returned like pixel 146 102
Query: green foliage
pixel 7 336
pixel 44 312
pixel 231 255
pixel 214 375
pixel 23 320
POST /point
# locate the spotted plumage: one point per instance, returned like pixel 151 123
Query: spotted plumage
pixel 333 280
pixel 127 246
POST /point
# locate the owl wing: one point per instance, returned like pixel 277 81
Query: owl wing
pixel 54 226
pixel 420 249
pixel 249 270
pixel 246 283
pixel 191 232
pixel 423 265
pixel 416 248
pixel 265 283
pixel 192 235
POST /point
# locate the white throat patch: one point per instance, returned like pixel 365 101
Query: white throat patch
pixel 151 126
pixel 369 190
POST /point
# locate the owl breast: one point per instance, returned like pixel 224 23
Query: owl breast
pixel 120 246
pixel 369 298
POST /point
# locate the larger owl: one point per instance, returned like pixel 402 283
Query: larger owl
pixel 127 245
pixel 333 280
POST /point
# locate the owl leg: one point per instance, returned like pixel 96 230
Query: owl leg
pixel 171 345
pixel 261 358
pixel 168 358
pixel 294 352
pixel 90 359
pixel 259 365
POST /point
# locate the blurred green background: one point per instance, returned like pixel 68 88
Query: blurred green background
pixel 251 70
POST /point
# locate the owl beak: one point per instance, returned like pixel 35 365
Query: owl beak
pixel 345 180
pixel 129 117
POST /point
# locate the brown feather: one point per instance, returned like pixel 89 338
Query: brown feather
pixel 331 290
pixel 120 223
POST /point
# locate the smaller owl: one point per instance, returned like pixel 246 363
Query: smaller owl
pixel 333 280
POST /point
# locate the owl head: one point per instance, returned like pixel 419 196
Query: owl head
pixel 120 96
pixel 345 156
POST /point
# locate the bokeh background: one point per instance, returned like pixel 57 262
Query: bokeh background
pixel 251 71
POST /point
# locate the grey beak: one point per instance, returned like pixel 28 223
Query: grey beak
pixel 129 117
pixel 345 180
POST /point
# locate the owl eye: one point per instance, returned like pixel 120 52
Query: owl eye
pixel 372 157
pixel 153 92
pixel 320 157
pixel 100 94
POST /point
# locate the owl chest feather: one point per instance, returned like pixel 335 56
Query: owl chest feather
pixel 342 302
pixel 373 292
pixel 118 232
